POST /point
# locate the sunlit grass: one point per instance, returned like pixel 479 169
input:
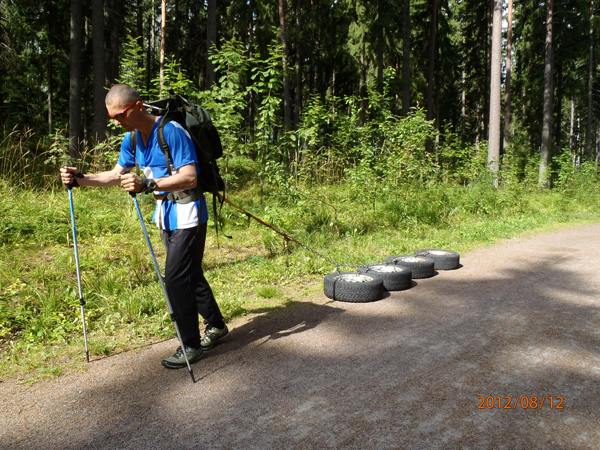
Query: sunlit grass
pixel 40 326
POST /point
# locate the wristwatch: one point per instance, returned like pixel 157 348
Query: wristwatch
pixel 149 185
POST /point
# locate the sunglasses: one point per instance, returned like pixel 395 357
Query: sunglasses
pixel 120 116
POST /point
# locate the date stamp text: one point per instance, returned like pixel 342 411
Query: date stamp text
pixel 532 401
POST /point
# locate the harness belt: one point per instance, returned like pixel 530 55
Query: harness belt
pixel 182 197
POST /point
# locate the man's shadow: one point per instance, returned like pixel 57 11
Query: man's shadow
pixel 273 324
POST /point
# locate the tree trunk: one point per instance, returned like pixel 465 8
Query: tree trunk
pixel 299 55
pixel 76 41
pixel 493 158
pixel 406 81
pixel 139 21
pixel 49 61
pixel 463 97
pixel 597 143
pixel 362 88
pixel 287 104
pixel 546 148
pixel 50 91
pixel 163 33
pixel 507 98
pixel 572 125
pixel 430 89
pixel 558 105
pixel 211 39
pixel 379 47
pixel 591 129
pixel 99 124
pixel 150 52
pixel 115 25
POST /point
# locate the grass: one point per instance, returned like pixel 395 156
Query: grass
pixel 40 327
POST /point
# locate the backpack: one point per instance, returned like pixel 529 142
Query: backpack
pixel 207 143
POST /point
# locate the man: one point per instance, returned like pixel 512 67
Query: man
pixel 183 224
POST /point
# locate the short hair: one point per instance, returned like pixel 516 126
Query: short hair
pixel 122 94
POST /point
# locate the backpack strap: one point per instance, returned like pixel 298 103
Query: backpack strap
pixel 133 135
pixel 194 194
pixel 163 142
pixel 183 197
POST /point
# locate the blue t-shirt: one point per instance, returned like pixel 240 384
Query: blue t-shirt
pixel 168 214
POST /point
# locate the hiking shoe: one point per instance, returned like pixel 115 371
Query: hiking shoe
pixel 177 361
pixel 211 336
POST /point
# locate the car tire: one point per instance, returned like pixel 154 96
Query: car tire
pixel 442 259
pixel 421 266
pixel 353 287
pixel 394 277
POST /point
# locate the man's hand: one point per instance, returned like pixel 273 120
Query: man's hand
pixel 69 175
pixel 132 183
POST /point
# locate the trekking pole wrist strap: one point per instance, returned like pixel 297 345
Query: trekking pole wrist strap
pixel 149 185
pixel 76 176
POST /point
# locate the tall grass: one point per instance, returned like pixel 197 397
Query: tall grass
pixel 31 161
pixel 25 159
pixel 383 206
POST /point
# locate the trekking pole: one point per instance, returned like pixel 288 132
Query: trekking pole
pixel 161 281
pixel 81 300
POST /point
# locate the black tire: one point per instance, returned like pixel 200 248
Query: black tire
pixel 352 287
pixel 394 277
pixel 442 259
pixel 421 266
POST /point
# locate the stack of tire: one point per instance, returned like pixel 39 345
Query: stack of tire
pixel 371 281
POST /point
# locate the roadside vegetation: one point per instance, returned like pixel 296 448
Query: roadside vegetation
pixel 354 180
pixel 377 206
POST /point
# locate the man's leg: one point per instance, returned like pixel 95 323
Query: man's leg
pixel 179 269
pixel 205 300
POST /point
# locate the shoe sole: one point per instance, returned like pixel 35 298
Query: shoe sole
pixel 170 365
pixel 173 366
pixel 215 342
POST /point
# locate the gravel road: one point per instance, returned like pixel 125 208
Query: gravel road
pixel 519 325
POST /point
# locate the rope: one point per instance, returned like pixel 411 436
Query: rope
pixel 285 235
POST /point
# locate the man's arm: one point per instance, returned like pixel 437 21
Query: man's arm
pixel 185 178
pixel 108 178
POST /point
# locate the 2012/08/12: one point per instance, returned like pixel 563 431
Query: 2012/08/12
pixel 521 401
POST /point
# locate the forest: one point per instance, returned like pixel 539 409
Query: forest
pixel 302 84
pixel 365 127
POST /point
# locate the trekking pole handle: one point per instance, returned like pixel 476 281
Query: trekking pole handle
pixel 74 183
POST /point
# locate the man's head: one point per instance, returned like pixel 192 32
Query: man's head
pixel 124 104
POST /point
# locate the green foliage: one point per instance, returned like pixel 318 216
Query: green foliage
pixel 460 162
pixel 174 78
pixel 387 146
pixel 266 75
pixel 243 77
pixel 133 72
pixel 131 65
pixel 572 178
pixel 227 100
pixel 268 292
pixel 520 164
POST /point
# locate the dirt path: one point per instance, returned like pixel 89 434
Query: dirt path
pixel 521 318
